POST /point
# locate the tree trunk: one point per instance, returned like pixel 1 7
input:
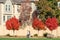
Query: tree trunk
pixel 56 32
pixel 38 32
pixel 13 32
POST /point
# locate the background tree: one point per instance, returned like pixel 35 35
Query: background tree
pixel 25 12
pixel 48 8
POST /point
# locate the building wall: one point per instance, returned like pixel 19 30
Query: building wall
pixel 0 14
pixel 15 12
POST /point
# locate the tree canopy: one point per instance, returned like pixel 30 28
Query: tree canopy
pixel 48 8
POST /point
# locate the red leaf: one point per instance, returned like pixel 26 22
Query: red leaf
pixel 37 24
pixel 52 23
pixel 13 24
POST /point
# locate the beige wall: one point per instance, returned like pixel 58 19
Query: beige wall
pixel 23 32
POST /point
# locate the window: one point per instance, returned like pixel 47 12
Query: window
pixel 7 8
pixel 8 17
pixel 18 8
pixel 59 4
pixel 3 18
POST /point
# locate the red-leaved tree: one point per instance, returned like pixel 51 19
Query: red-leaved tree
pixel 38 24
pixel 8 25
pixel 51 23
pixel 12 24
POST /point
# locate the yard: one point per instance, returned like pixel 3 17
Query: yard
pixel 29 38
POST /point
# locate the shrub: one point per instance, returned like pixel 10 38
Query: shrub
pixel 45 34
pixel 35 35
pixel 7 34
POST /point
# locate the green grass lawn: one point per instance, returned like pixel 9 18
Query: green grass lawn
pixel 29 39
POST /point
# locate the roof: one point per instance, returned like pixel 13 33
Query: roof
pixel 15 1
pixel 2 1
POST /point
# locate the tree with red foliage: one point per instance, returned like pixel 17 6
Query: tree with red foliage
pixel 38 24
pixel 52 23
pixel 12 24
pixel 8 25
